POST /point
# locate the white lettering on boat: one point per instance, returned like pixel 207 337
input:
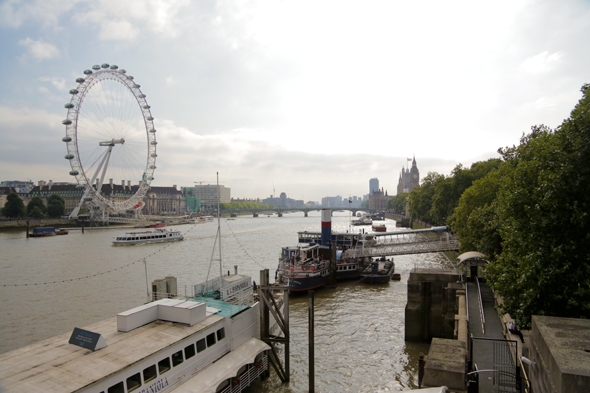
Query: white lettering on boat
pixel 156 386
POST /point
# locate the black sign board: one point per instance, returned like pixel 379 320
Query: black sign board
pixel 86 339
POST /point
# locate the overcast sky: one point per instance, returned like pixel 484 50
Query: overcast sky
pixel 311 98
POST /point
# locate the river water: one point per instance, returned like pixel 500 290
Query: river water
pixel 48 286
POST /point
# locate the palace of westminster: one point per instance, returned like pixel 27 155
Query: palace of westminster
pixel 198 198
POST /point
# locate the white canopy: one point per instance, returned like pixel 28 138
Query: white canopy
pixel 470 255
pixel 227 367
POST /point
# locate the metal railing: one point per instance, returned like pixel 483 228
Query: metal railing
pixel 483 318
pixel 244 380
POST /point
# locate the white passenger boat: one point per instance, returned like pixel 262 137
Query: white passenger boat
pixel 158 235
pixel 207 342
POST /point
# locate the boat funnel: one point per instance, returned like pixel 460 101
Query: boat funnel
pixel 326 226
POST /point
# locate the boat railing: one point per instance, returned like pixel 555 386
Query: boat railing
pixel 242 381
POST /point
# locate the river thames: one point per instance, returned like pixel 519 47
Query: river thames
pixel 48 286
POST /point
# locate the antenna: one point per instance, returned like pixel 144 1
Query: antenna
pixel 273 189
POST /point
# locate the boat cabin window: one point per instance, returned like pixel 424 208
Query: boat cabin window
pixel 189 351
pixel 177 358
pixel 163 365
pixel 220 334
pixel 133 382
pixel 118 388
pixel 201 345
pixel 149 373
pixel 210 339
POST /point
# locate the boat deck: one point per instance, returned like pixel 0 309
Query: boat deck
pixel 54 365
pixel 226 310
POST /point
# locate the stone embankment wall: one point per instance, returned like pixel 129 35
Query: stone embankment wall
pixel 432 305
pixel 44 222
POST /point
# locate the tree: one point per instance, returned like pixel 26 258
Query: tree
pixel 449 191
pixel 36 202
pixel 398 202
pixel 56 206
pixel 36 212
pixel 421 197
pixel 475 220
pixel 543 205
pixel 14 206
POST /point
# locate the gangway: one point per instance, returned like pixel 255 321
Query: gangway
pixel 418 241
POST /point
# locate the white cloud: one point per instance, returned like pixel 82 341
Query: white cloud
pixel 58 83
pixel 541 63
pixel 39 49
pixel 46 13
pixel 17 118
pixel 125 20
pixel 118 30
pixel 170 81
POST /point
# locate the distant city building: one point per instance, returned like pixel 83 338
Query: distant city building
pixel 21 187
pixel 408 178
pixel 208 195
pixel 192 203
pixel 373 185
pixel 283 202
pixel 378 200
pixel 164 201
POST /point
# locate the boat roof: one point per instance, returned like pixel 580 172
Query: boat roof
pixel 54 365
pixel 208 380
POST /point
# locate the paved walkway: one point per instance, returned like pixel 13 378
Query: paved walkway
pixel 489 354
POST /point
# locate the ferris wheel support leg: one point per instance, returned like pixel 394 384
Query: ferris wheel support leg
pixel 104 162
pixel 74 214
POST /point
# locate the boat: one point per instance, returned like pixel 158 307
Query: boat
pixel 364 220
pixel 303 268
pixel 197 220
pixel 378 227
pixel 396 277
pixel 347 269
pixel 47 231
pixel 158 224
pixel 158 235
pixel 378 271
pixel 207 342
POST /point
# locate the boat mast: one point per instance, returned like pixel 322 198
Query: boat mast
pixel 219 231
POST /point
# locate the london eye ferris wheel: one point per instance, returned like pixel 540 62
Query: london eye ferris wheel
pixel 110 137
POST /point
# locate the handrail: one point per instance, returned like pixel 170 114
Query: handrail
pixel 467 301
pixel 483 318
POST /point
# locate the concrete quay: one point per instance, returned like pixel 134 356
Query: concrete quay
pixel 556 351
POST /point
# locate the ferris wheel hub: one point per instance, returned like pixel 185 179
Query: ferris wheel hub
pixel 112 142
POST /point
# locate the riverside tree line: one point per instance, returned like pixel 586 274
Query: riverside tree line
pixel 528 212
pixel 15 207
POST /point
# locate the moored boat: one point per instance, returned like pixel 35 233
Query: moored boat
pixel 303 268
pixel 378 227
pixel 364 220
pixel 347 269
pixel 158 235
pixel 378 271
pixel 207 342
pixel 47 231
pixel 158 224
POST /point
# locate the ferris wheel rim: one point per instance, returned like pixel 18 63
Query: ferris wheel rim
pixel 85 84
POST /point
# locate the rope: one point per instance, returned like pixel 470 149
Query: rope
pixel 242 247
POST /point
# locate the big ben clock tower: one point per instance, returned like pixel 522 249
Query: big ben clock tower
pixel 414 175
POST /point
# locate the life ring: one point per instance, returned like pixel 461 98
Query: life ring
pixel 292 268
pixel 313 268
